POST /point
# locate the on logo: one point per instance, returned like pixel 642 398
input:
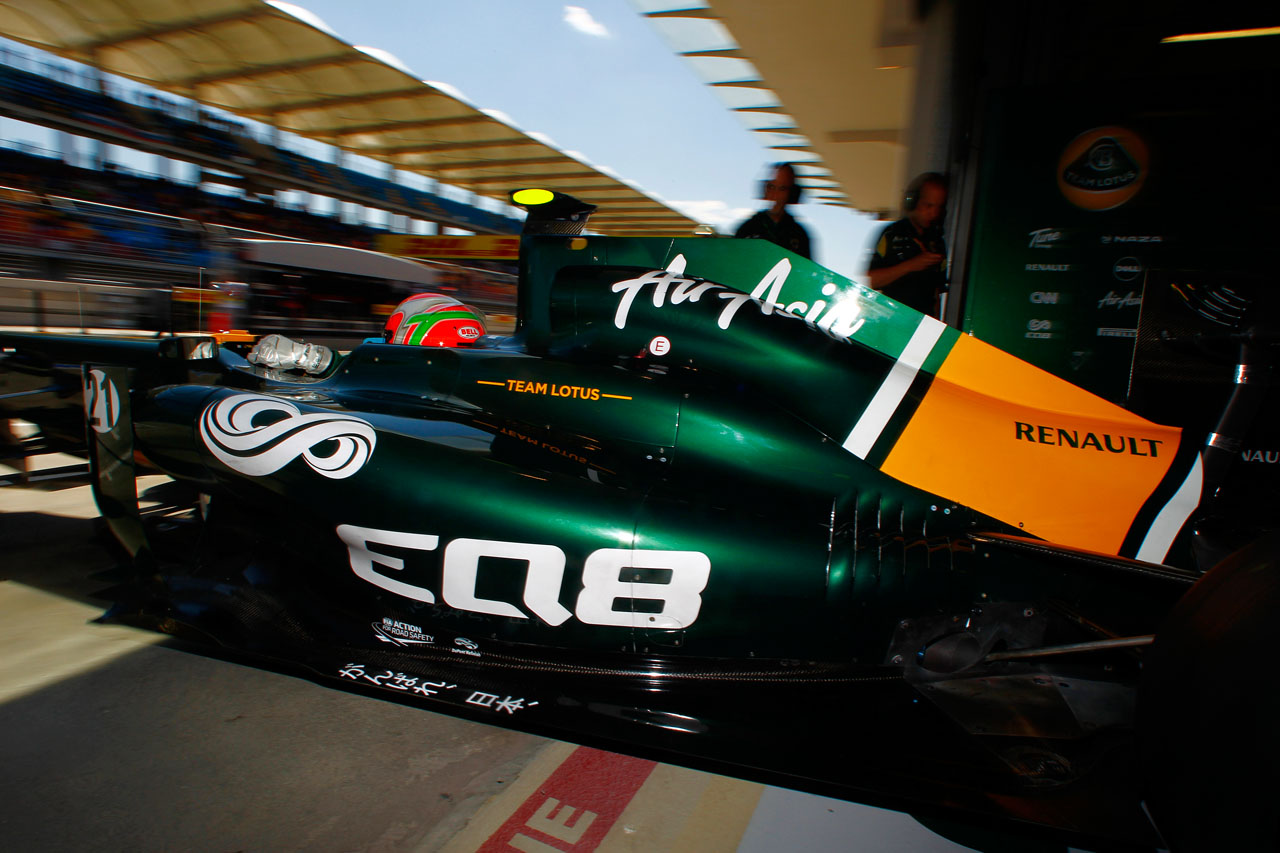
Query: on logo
pixel 101 401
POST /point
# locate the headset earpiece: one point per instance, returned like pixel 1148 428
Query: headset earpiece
pixel 912 196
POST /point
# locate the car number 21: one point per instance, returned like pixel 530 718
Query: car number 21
pixel 637 580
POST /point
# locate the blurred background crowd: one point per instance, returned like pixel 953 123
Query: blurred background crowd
pixel 86 241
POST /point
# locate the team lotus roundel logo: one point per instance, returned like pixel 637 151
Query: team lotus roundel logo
pixel 1103 168
pixel 258 435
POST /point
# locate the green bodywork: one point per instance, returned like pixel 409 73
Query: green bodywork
pixel 634 410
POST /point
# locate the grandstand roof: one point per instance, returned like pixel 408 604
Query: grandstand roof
pixel 264 60
pixel 828 84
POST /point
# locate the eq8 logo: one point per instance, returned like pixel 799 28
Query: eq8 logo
pixel 660 589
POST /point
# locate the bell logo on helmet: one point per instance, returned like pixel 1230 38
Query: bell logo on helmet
pixel 433 320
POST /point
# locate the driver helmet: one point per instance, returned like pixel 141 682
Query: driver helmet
pixel 433 320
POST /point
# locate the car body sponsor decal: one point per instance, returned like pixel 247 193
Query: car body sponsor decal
pixel 399 633
pixel 1017 443
pixel 675 588
pixel 101 401
pixel 258 435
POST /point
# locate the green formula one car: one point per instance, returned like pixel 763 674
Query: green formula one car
pixel 715 504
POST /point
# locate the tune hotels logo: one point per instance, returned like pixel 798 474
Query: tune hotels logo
pixel 1103 168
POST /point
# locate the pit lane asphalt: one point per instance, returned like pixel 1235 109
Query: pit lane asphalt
pixel 117 739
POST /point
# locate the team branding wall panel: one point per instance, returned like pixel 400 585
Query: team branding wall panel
pixel 1082 193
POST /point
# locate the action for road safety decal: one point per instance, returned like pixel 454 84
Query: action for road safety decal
pixel 1024 446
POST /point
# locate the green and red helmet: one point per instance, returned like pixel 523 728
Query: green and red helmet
pixel 433 320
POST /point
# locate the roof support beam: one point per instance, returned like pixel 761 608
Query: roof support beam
pixel 392 126
pixel 496 163
pixel 533 177
pixel 180 26
pixel 684 13
pixel 670 222
pixel 886 135
pixel 346 57
pixel 587 189
pixel 394 150
pixel 359 98
pixel 726 52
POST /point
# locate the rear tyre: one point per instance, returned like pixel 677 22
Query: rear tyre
pixel 1209 709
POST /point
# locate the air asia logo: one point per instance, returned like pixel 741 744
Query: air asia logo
pixel 101 401
pixel 1060 437
pixel 1114 300
pixel 401 633
pixel 1102 168
pixel 259 435
pixel 671 286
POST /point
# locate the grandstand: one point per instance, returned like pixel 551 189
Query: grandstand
pixel 97 231
pixel 398 155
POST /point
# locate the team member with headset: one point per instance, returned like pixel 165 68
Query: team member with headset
pixel 909 260
pixel 774 223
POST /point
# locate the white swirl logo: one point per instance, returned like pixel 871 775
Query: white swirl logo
pixel 228 430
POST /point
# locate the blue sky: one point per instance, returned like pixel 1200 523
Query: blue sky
pixel 596 78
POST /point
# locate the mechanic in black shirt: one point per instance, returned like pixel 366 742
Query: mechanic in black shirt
pixel 909 261
pixel 775 224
